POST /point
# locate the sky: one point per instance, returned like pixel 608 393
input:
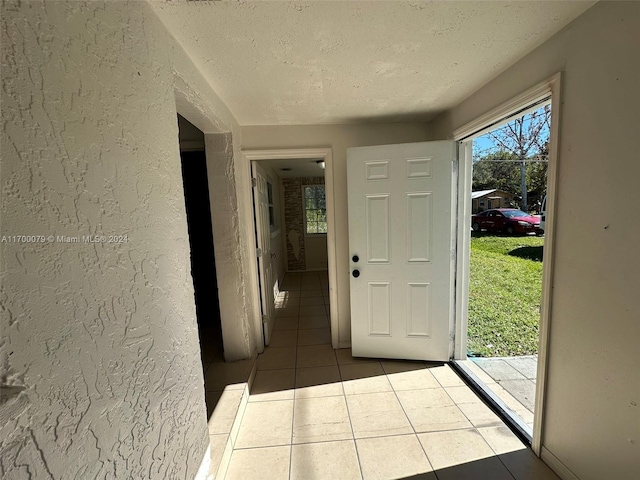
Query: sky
pixel 484 144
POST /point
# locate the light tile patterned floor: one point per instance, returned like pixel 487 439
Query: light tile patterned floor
pixel 316 413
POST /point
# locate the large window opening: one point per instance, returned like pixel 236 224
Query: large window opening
pixel 509 188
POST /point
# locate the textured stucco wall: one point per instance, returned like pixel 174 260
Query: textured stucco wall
pixel 591 417
pixel 234 282
pixel 231 207
pixel 98 341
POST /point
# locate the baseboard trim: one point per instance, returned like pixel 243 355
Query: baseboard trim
pixel 205 465
pixel 556 465
pixel 215 469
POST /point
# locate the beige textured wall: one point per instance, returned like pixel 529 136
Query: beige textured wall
pixel 99 341
pixel 592 415
pixel 316 252
pixel 339 138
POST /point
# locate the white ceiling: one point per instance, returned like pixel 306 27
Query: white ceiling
pixel 344 62
pixel 303 167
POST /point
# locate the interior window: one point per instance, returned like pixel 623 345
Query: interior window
pixel 315 209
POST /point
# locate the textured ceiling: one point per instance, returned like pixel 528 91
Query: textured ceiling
pixel 303 167
pixel 344 62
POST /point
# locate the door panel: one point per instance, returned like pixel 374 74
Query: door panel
pixel 401 200
pixel 263 241
pixel 378 231
pixel 419 225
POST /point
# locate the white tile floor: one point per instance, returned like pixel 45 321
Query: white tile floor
pixel 319 413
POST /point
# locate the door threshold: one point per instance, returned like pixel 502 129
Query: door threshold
pixel 495 403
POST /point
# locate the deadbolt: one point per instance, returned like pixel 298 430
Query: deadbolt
pixel 355 258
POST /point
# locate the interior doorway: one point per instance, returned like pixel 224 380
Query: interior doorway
pixel 290 214
pixel 508 165
pixel 203 266
pixel 302 240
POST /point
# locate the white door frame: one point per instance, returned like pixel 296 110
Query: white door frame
pixel 465 134
pixel 325 154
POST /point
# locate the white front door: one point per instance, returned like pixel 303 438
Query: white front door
pixel 402 250
pixel 263 240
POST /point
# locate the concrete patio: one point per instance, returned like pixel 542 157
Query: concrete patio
pixel 512 379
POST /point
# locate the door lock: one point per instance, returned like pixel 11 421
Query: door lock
pixel 355 258
pixel 356 273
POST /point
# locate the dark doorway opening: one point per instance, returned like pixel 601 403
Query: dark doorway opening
pixel 203 265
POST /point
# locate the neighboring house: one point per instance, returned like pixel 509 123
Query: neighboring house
pixel 99 356
pixel 487 199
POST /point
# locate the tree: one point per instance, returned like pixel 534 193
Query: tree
pixel 524 142
pixel 501 170
pixel 491 171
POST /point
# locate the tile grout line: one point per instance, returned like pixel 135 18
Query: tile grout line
pixel 295 380
pixel 346 440
pixel 495 454
pixel 353 433
pixel 395 392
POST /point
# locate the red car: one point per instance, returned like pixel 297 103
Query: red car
pixel 506 220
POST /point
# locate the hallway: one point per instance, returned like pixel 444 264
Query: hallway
pixel 318 413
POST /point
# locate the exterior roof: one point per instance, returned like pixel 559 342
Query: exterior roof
pixel 484 193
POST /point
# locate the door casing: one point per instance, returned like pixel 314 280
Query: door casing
pixel 263 240
pixel 325 154
pixel 551 87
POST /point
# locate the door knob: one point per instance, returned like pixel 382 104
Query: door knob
pixel 273 255
pixel 356 273
pixel 355 258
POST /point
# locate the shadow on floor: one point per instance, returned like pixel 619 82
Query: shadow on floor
pixel 309 402
pixel 528 253
pixel 520 464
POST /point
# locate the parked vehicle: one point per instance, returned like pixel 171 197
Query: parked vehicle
pixel 543 213
pixel 506 220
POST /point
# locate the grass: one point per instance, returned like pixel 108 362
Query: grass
pixel 504 295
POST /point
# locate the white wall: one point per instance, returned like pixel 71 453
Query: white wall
pixel 339 137
pixel 315 251
pixel 101 340
pixel 592 417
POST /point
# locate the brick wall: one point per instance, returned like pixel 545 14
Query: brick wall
pixel 294 220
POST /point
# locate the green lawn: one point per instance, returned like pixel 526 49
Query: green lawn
pixel 504 295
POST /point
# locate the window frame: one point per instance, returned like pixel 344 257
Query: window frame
pixel 304 210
